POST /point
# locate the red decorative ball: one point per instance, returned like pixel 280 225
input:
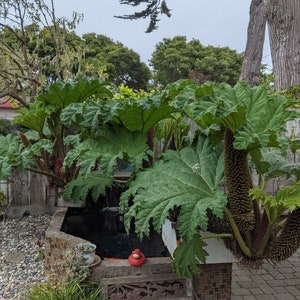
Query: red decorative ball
pixel 136 258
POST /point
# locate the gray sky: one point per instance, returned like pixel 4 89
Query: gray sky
pixel 212 22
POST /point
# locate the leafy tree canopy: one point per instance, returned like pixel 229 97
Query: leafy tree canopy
pixel 120 64
pixel 176 58
pixel 152 10
pixel 37 47
pixel 27 51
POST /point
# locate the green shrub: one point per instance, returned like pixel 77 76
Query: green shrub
pixel 61 290
pixel 72 285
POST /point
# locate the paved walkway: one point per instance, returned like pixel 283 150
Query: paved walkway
pixel 270 282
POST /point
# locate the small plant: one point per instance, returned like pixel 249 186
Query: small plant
pixel 57 290
pixel 73 267
pixel 40 253
pixel 73 283
pixel 85 247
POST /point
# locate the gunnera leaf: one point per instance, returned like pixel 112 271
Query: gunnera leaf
pixel 188 179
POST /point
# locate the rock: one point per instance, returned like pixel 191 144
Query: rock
pixel 18 251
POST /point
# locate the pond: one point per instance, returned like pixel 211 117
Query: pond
pixel 105 229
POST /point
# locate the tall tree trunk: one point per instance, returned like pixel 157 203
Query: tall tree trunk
pixel 255 43
pixel 283 17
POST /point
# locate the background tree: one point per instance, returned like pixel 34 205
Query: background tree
pixel 120 64
pixel 255 43
pixel 283 19
pixel 152 10
pixel 21 70
pixel 175 58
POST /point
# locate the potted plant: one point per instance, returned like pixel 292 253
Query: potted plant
pixel 209 182
pixel 86 253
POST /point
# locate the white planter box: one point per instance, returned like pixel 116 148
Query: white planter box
pixel 216 249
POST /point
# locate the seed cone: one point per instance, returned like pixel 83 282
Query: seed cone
pixel 238 183
pixel 288 240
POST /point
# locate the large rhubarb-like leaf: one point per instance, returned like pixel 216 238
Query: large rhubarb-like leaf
pixel 33 117
pixel 38 147
pixel 264 126
pixel 286 199
pixel 95 183
pixel 110 144
pixel 188 256
pixel 102 153
pixel 143 114
pixel 11 155
pixel 61 94
pixel 273 163
pixel 188 179
pixel 256 118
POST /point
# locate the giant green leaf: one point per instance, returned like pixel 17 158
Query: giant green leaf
pixel 266 120
pixel 286 199
pixel 38 147
pixel 72 114
pixel 188 256
pixel 256 118
pixel 61 94
pixel 143 114
pixel 110 143
pixel 273 163
pixel 11 155
pixel 33 117
pixel 188 179
pixel 122 143
pixel 95 183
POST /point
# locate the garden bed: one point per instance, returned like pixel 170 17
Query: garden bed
pixel 154 280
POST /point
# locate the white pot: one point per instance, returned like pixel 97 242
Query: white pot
pixel 216 249
pixel 86 252
pixel 169 236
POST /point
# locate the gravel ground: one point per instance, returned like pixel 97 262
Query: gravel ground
pixel 20 263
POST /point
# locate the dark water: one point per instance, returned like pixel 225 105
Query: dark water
pixel 104 227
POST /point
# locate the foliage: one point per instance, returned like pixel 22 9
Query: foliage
pixel 105 150
pixel 292 92
pixel 5 126
pixel 88 132
pixel 125 92
pixel 191 185
pixel 287 199
pixel 73 285
pixel 175 58
pixel 187 180
pixel 253 115
pixel 47 151
pixel 25 61
pixel 173 132
pixel 59 290
pixel 118 132
pixel 80 135
pixel 152 10
pixel 188 256
pixel 39 48
pixel 120 64
pixel 73 267
pixel 11 155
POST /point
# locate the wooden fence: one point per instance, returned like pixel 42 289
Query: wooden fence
pixel 27 192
